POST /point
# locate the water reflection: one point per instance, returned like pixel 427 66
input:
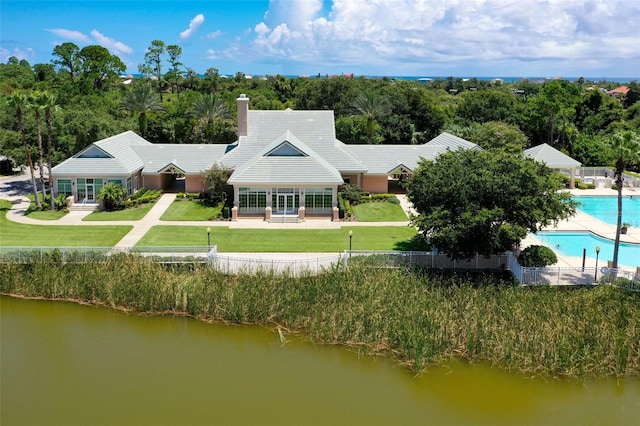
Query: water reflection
pixel 68 364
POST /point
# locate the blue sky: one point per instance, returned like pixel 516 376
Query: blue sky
pixel 483 38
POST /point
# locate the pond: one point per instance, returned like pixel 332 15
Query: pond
pixel 66 364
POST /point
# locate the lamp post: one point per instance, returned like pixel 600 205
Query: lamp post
pixel 597 254
pixel 350 241
pixel 209 238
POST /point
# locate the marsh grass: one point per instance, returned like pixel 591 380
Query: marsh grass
pixel 421 319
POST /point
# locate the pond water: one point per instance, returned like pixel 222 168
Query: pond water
pixel 66 364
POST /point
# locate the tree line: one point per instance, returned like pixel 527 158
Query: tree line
pixel 171 103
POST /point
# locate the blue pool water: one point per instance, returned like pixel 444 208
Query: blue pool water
pixel 605 208
pixel 572 244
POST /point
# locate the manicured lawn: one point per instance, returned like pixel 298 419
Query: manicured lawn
pixel 286 240
pixel 190 210
pixel 43 214
pixel 133 213
pixel 18 234
pixel 46 214
pixel 379 212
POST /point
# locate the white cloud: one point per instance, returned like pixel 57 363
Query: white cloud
pixel 114 46
pixel 70 34
pixel 214 34
pixel 427 34
pixel 27 54
pixel 193 27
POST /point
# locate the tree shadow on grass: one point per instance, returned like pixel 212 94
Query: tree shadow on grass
pixel 415 243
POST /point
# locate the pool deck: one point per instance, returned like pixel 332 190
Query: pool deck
pixel 586 223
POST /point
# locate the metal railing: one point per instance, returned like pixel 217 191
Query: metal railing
pixel 530 276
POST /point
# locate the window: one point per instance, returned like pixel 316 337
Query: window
pixel 118 181
pixel 318 200
pixel 252 200
pixel 64 187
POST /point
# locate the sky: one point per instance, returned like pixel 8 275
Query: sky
pixel 461 38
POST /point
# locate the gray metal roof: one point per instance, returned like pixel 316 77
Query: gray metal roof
pixel 551 157
pixel 191 159
pixel 384 159
pixel 123 159
pixel 316 129
pixel 452 142
pixel 264 169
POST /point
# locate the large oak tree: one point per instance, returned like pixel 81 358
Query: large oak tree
pixel 484 202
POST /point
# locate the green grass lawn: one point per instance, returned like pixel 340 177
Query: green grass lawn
pixel 43 214
pixel 18 234
pixel 133 213
pixel 379 212
pixel 286 240
pixel 190 210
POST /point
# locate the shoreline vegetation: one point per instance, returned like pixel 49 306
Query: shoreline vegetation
pixel 421 319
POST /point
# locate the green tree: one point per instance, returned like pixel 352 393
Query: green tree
pixel 626 148
pixel 113 195
pixel 497 135
pixel 50 105
pixel 19 101
pixel 141 99
pixel 208 110
pixel 175 52
pixel 484 202
pixel 215 181
pixel 37 104
pixel 153 62
pixel 371 105
pixel 99 67
pixel 67 59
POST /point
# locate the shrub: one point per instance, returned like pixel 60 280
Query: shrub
pixel 113 195
pixel 353 194
pixel 538 256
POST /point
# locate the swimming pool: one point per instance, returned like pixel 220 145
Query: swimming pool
pixel 605 208
pixel 572 244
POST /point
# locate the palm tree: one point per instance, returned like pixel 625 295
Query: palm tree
pixel 208 109
pixel 37 104
pixel 20 101
pixel 51 106
pixel 141 99
pixel 626 149
pixel 372 105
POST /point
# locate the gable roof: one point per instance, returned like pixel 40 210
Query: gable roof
pixel 263 168
pixel 191 159
pixel 550 156
pixel 384 159
pixel 111 156
pixel 452 142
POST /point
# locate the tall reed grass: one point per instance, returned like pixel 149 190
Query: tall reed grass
pixel 421 319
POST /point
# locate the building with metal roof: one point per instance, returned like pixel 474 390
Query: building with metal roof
pixel 284 164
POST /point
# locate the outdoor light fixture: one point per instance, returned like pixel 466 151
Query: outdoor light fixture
pixel 597 254
pixel 350 240
pixel 209 238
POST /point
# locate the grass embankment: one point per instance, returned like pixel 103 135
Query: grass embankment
pixel 19 234
pixel 286 240
pixel 421 320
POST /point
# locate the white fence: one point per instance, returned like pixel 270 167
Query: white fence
pixel 553 276
pixel 603 177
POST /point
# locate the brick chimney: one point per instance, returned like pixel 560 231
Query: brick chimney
pixel 243 115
